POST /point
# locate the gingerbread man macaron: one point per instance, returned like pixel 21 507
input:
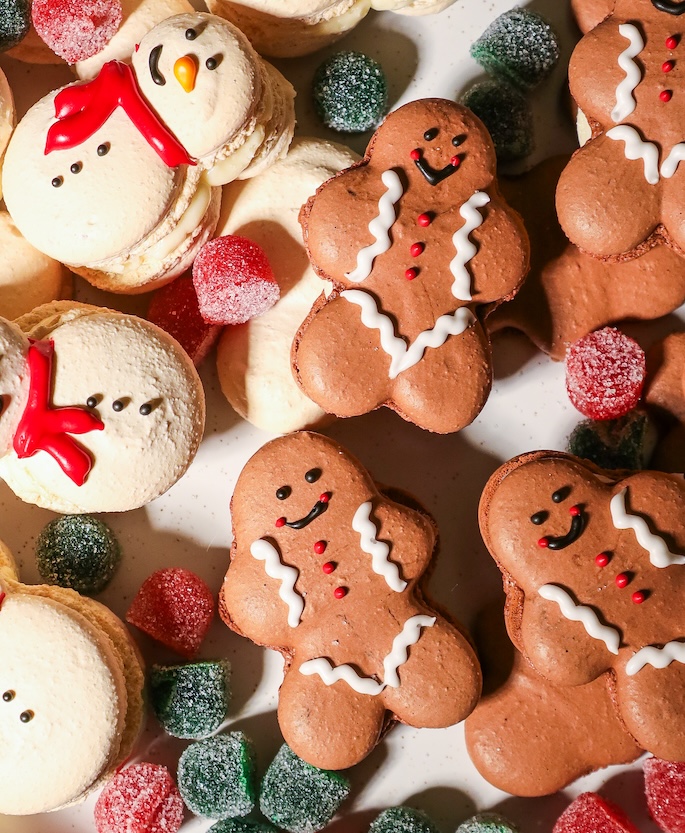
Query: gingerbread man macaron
pixel 330 572
pixel 419 246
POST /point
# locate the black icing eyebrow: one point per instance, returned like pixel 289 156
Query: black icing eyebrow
pixel 153 63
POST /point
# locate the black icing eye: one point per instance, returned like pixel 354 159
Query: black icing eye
pixel 92 402
pixel 8 696
pixel 26 716
pixel 429 135
pixel 539 517
pixel 145 409
pixel 312 475
pixel 458 140
pixel 284 492
pixel 76 168
pixel 57 181
pixel 103 149
pixel 561 494
pixel 117 405
pixel 213 62
pixel 191 34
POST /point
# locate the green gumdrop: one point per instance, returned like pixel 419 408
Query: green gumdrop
pixel 623 443
pixel 190 701
pixel 487 823
pixel 506 114
pixel 298 797
pixel 402 820
pixel 241 826
pixel 216 777
pixel 15 22
pixel 350 92
pixel 519 46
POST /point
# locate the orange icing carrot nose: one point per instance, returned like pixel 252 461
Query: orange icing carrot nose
pixel 185 70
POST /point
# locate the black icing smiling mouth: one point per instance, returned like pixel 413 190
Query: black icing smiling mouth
pixel 578 523
pixel 321 505
pixel 434 176
pixel 669 6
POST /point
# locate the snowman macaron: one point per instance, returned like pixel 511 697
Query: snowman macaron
pixel 102 412
pixel 7 116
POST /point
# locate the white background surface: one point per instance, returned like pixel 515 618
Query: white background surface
pixel 190 525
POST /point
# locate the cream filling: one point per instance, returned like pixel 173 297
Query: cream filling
pixel 233 165
pixel 342 22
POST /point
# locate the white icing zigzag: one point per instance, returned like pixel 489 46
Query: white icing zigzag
pixel 461 287
pixel 403 357
pixel 625 101
pixel 659 553
pixel 637 148
pixel 378 550
pixel 583 614
pixel 265 551
pixel 380 227
pixel 398 655
pixel 674 158
pixel 656 657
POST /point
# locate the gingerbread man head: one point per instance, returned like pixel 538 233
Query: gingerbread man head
pixel 593 568
pixel 329 571
pixel 417 241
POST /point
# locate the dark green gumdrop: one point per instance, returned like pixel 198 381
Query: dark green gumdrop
pixel 506 114
pixel 350 92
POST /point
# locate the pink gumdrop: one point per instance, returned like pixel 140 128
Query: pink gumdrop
pixel 605 373
pixel 175 309
pixel 590 813
pixel 175 607
pixel 665 789
pixel 142 798
pixel 76 29
pixel 233 281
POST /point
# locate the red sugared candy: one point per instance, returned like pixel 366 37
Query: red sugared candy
pixel 76 29
pixel 175 309
pixel 142 798
pixel 665 789
pixel 233 280
pixel 605 372
pixel 590 813
pixel 175 607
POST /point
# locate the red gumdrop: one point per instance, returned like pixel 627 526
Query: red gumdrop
pixel 665 789
pixel 175 607
pixel 175 309
pixel 590 813
pixel 605 373
pixel 142 798
pixel 76 29
pixel 233 280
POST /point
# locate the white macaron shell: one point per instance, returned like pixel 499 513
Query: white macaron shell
pixel 14 381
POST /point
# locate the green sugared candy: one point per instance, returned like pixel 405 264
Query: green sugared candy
pixel 298 797
pixel 15 22
pixel 402 820
pixel 623 443
pixel 487 823
pixel 242 826
pixel 190 701
pixel 520 47
pixel 506 114
pixel 350 92
pixel 216 777
pixel 79 552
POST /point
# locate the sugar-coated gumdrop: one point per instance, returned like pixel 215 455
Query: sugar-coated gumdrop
pixel 140 799
pixel 519 46
pixel 190 701
pixel 76 29
pixel 233 280
pixel 175 309
pixel 665 790
pixel 175 607
pixel 506 114
pixel 488 823
pixel 623 443
pixel 605 373
pixel 298 797
pixel 590 813
pixel 216 777
pixel 402 820
pixel 242 826
pixel 79 552
pixel 350 92
pixel 15 22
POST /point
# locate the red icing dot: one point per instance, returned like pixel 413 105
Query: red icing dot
pixel 328 567
pixel 320 547
pixel 590 813
pixel 543 542
pixel 142 798
pixel 622 580
pixel 638 597
pixel 667 66
pixel 175 309
pixel 325 497
pixel 424 220
pixel 340 592
pixel 671 42
pixel 280 522
pixel 665 790
pixel 417 249
pixel 666 95
pixel 455 161
pixel 415 154
pixel 605 372
pixel 575 511
pixel 175 607
pixel 233 281
pixel 602 559
pixel 76 29
pixel 411 273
